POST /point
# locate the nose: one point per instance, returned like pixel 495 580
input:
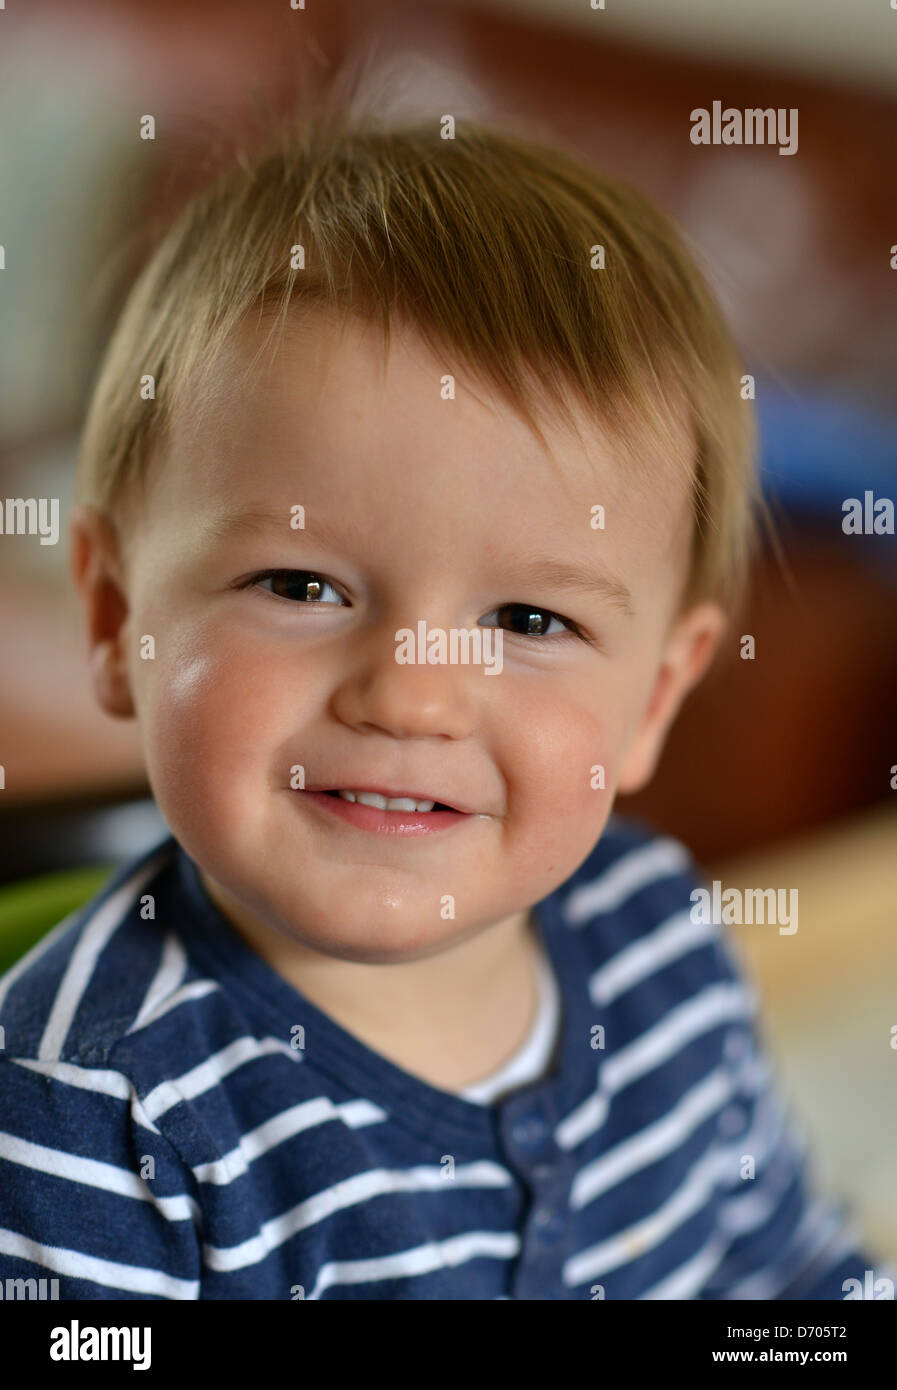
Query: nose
pixel 413 700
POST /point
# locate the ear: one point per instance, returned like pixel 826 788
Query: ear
pixel 688 652
pixel 97 573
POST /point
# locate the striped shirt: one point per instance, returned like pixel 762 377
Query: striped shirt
pixel 179 1122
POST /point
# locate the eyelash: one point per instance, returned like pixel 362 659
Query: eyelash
pixel 574 630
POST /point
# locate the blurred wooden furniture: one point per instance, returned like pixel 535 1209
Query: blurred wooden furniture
pixel 829 1001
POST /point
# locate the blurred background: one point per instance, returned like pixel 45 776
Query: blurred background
pixel 779 772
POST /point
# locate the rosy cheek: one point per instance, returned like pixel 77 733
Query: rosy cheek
pixel 557 766
pixel 223 720
pixel 183 713
pixel 192 703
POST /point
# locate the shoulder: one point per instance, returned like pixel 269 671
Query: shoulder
pixel 633 899
pixel 631 863
pixel 84 985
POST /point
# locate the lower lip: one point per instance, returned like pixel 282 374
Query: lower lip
pixel 384 822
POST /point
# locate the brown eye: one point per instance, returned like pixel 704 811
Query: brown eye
pixel 529 621
pixel 302 585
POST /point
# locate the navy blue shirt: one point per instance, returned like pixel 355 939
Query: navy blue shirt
pixel 178 1122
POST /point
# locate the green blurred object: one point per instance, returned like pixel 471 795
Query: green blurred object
pixel 30 908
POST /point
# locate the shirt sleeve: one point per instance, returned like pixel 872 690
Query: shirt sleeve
pixel 92 1195
pixel 778 1235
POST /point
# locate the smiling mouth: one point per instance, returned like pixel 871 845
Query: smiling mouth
pixel 388 803
pixel 375 812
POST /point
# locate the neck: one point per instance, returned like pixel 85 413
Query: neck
pixel 450 1018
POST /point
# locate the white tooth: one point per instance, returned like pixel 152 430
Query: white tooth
pixel 371 799
pixel 387 803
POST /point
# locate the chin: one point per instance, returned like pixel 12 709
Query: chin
pixel 368 938
pixel 387 943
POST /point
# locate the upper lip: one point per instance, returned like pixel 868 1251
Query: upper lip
pixel 391 792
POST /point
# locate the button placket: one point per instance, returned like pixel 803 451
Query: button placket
pixel 531 1148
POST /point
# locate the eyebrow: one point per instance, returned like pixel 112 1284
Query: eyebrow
pixel 577 578
pixel 255 521
pixel 249 520
pixel 545 570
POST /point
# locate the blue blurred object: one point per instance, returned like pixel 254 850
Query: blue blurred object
pixel 816 451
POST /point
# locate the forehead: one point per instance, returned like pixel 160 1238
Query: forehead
pixel 331 418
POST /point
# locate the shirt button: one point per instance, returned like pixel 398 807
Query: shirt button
pixel 735 1046
pixel 542 1171
pixel 732 1119
pixel 530 1131
pixel 549 1223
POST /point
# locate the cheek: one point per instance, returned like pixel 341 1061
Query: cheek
pixel 215 716
pixel 558 754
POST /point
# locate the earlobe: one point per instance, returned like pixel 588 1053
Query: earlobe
pixel 110 681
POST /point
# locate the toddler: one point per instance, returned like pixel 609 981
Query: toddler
pixel 401 1010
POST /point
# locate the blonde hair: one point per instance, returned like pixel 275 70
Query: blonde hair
pixel 485 243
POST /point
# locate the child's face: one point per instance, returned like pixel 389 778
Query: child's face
pixel 416 508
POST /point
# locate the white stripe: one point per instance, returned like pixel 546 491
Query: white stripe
pixel 847 1241
pixel 348 1193
pixel 673 938
pixel 650 1231
pixel 654 1141
pixel 37 950
pixel 98 1079
pixel 92 1173
pixel 625 877
pixel 694 1274
pixel 689 1278
pixel 444 1254
pixel 698 1185
pixel 213 1070
pixel 749 1210
pixel 767 1283
pixel 168 976
pixel 94 937
pixel 198 989
pixel 131 1278
pixel 307 1115
pixel 650 1050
